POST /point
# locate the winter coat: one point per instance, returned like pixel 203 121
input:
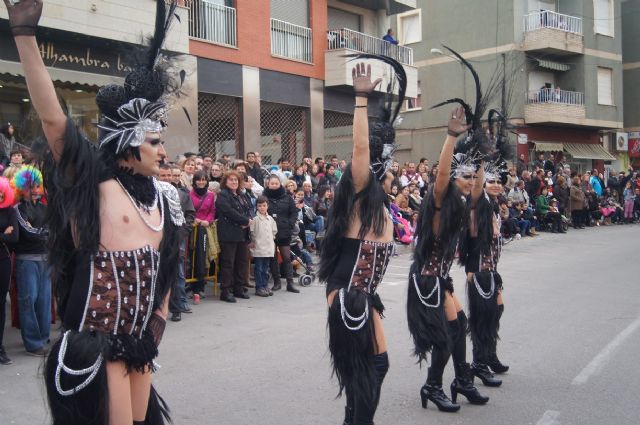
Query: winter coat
pixel 233 212
pixel 576 198
pixel 205 206
pixel 283 210
pixel 263 231
pixel 561 193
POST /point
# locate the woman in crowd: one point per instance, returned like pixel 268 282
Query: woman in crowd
pixel 561 193
pixel 394 193
pixel 291 188
pixel 188 166
pixel 629 199
pixel 360 234
pixel 113 234
pixel 325 200
pixel 7 143
pixel 283 210
pixel 300 175
pixel 8 236
pixel 415 200
pixel 577 204
pixel 402 201
pixel 546 215
pixel 204 203
pixel 233 211
pixel 313 177
pixel 512 179
pixel 330 179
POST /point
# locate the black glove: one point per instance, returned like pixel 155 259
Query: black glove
pixel 24 16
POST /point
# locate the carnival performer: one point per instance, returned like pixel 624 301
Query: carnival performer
pixel 480 257
pixel 436 320
pixel 113 235
pixel 8 236
pixel 360 234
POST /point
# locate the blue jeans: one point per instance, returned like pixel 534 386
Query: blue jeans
pixel 261 271
pixel 524 225
pixel 34 302
pixel 318 224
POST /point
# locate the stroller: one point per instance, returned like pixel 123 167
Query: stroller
pixel 308 276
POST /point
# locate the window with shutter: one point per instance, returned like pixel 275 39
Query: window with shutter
pixel 295 12
pixel 603 17
pixel 605 86
pixel 410 27
pixel 339 19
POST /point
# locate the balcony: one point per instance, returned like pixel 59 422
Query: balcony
pixel 212 22
pixel 554 106
pixel 344 41
pixel 553 33
pixel 392 7
pixel 291 41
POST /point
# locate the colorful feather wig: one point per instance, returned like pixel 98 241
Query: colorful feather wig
pixel 25 179
pixel 9 193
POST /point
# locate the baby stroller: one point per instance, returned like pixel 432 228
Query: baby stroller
pixel 308 276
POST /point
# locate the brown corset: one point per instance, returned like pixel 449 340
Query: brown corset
pixel 489 262
pixel 121 290
pixel 371 264
pixel 436 264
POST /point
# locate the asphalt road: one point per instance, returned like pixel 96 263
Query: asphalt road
pixel 570 333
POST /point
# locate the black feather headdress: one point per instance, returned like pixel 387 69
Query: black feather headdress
pixel 140 105
pixel 382 134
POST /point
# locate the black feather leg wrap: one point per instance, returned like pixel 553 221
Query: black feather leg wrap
pixel 483 312
pixel 90 405
pixel 427 325
pixel 352 351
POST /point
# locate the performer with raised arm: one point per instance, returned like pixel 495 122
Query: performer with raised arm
pixel 358 246
pixel 113 235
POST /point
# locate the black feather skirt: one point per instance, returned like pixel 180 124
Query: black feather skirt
pixel 425 313
pixel 482 291
pixel 76 376
pixel 352 342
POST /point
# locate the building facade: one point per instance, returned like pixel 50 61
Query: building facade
pixel 630 11
pixel 272 76
pixel 563 67
pixel 85 45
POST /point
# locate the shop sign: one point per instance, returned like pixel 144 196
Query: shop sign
pixel 634 144
pixel 73 56
pixel 622 142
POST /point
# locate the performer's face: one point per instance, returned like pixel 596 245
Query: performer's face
pixel 465 183
pixel 152 154
pixel 386 183
pixel 493 187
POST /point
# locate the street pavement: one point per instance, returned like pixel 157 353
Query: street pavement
pixel 569 332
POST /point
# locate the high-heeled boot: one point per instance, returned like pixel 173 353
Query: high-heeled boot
pixel 493 362
pixel 432 389
pixel 479 365
pixel 366 410
pixel 348 409
pixel 463 384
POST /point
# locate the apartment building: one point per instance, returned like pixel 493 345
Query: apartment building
pixel 84 44
pixel 563 60
pixel 272 76
pixel 630 13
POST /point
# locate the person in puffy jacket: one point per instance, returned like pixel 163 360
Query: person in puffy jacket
pixel 283 210
pixel 233 211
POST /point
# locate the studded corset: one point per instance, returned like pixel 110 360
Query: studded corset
pixel 371 264
pixel 121 290
pixel 436 264
pixel 489 261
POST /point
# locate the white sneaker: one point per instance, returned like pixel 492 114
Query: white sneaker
pixel 518 236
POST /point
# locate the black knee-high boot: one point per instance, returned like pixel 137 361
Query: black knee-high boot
pixel 479 366
pixel 348 409
pixel 432 389
pixel 493 362
pixel 364 413
pixel 463 382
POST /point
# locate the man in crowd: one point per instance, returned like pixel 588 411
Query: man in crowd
pixel 15 164
pixel 254 167
pixel 216 172
pixel 389 37
pixel 207 161
pixel 412 176
pixel 595 183
pixel 518 194
pixel 310 198
pixel 521 165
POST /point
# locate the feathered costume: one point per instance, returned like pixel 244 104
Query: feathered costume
pixel 107 299
pixel 355 267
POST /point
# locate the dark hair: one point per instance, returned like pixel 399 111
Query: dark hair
pixel 5 129
pixel 282 159
pixel 262 200
pixel 372 203
pixel 251 153
pixel 200 175
pixel 15 152
pixel 165 167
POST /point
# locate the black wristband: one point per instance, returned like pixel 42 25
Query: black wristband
pixel 360 106
pixel 362 94
pixel 452 133
pixel 23 30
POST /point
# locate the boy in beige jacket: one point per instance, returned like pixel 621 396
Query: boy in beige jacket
pixel 263 232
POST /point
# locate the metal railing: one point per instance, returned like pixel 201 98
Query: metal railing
pixel 212 22
pixel 558 96
pixel 291 41
pixel 344 38
pixel 548 19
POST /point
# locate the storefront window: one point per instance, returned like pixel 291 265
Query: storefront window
pixel 16 108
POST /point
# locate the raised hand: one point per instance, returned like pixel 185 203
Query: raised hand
pixel 457 122
pixel 362 84
pixel 24 16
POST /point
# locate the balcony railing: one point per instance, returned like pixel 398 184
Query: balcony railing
pixel 556 96
pixel 348 39
pixel 548 19
pixel 291 41
pixel 212 22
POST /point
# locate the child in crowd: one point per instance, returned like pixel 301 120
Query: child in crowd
pixel 263 232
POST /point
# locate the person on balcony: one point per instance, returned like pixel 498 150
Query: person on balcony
pixel 389 37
